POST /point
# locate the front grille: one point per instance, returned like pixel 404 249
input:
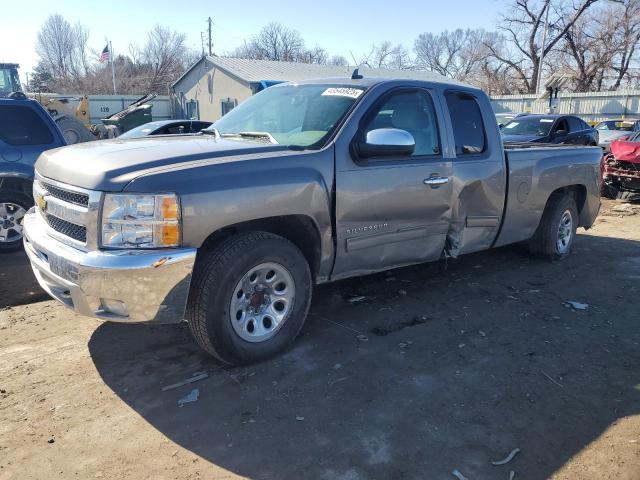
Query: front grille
pixel 66 228
pixel 81 199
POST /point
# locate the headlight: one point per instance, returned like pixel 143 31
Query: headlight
pixel 140 221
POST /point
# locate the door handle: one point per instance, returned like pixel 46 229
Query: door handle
pixel 436 181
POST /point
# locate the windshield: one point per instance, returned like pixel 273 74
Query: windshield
pixel 615 125
pixel 539 126
pixel 293 115
pixel 9 81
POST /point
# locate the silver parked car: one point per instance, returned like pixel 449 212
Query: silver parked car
pixel 611 130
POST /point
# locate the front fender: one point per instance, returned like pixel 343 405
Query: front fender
pixel 217 196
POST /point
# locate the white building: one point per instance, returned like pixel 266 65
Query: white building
pixel 214 85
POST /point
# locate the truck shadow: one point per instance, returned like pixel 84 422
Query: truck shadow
pixel 18 285
pixel 431 371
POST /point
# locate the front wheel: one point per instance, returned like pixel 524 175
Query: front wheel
pixel 249 297
pixel 13 207
pixel 556 232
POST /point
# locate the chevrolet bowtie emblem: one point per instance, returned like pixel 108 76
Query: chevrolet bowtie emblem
pixel 42 203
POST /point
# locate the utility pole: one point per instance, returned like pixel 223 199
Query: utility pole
pixel 210 44
pixel 544 39
pixel 113 71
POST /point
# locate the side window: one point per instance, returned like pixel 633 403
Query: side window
pixel 413 112
pixel 228 105
pixel 197 126
pixel 20 125
pixel 561 125
pixel 178 128
pixel 574 124
pixel 466 118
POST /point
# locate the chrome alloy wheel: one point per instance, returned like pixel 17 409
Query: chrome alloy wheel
pixel 262 301
pixel 565 232
pixel 11 215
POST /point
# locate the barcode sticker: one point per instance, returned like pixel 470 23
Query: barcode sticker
pixel 343 92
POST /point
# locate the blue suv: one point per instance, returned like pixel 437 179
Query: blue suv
pixel 26 130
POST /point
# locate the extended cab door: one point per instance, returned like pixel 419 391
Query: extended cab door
pixel 392 210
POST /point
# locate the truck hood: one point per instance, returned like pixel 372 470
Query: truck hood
pixel 109 165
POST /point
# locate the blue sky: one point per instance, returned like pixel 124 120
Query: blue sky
pixel 339 26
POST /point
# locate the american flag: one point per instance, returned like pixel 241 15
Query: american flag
pixel 105 56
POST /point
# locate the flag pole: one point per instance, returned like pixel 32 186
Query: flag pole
pixel 113 72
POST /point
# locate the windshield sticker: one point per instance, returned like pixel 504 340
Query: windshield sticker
pixel 343 92
pixel 546 120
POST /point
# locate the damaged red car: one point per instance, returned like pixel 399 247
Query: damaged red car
pixel 621 169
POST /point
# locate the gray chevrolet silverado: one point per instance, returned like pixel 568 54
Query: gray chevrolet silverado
pixel 301 184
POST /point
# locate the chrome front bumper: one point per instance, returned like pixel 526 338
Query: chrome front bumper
pixel 115 285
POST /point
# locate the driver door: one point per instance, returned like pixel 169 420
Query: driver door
pixel 394 210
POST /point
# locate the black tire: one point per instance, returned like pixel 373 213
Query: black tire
pixel 14 241
pixel 215 277
pixel 544 243
pixel 627 196
pixel 73 130
pixel 609 191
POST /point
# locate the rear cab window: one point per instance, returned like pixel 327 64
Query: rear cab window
pixel 466 120
pixel 21 125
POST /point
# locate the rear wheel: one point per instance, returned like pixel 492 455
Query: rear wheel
pixel 13 207
pixel 556 232
pixel 249 297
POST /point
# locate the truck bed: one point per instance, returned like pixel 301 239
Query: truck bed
pixel 535 171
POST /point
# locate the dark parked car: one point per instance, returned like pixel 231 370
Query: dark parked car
pixel 26 130
pixel 565 129
pixel 166 127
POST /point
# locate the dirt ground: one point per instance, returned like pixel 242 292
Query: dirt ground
pixel 433 370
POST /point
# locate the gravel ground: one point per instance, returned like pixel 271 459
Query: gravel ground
pixel 435 369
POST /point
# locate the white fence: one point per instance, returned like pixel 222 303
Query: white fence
pixel 589 106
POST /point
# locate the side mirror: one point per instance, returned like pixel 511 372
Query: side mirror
pixel 501 126
pixel 386 142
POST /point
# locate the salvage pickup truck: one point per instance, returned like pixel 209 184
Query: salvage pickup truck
pixel 301 184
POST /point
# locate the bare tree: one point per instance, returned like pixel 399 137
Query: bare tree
pixel 457 54
pixel 273 42
pixel 166 56
pixel 589 51
pixel 338 61
pixel 316 55
pixel 386 55
pixel 524 27
pixel 63 52
pixel 628 33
